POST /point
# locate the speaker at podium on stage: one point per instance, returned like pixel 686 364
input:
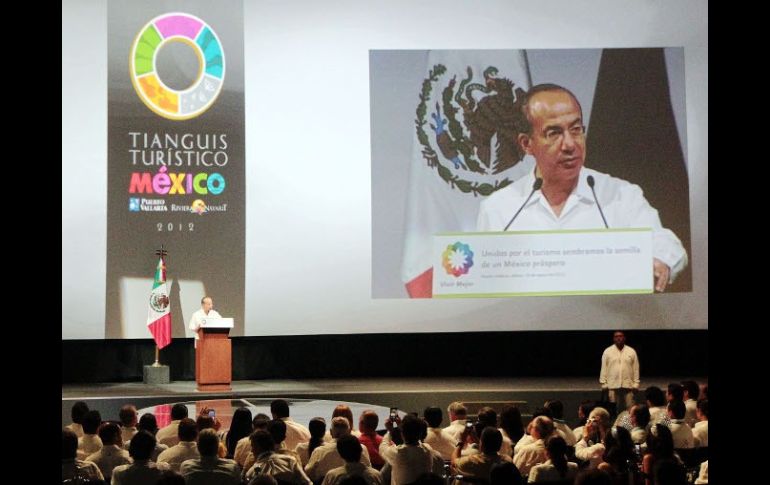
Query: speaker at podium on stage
pixel 213 348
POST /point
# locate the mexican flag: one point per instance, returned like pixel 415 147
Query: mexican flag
pixel 464 148
pixel 159 313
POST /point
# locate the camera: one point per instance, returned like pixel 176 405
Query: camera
pixel 212 413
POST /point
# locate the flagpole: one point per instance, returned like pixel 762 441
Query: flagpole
pixel 157 357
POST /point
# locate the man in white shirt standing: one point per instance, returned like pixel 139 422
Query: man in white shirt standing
pixel 206 311
pixel 620 372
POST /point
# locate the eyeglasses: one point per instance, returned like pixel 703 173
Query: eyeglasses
pixel 555 134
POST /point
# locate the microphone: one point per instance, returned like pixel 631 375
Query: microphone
pixel 535 187
pixel 590 180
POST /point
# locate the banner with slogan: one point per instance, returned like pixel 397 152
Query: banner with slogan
pixel 176 158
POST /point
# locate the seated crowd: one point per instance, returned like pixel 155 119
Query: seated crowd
pixel 663 441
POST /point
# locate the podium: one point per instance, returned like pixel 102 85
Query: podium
pixel 213 355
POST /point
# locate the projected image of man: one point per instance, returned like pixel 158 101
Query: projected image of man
pixel 552 131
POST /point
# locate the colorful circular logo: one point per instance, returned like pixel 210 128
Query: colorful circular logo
pixel 457 259
pixel 167 102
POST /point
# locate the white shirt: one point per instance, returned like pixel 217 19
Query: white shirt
pixel 210 470
pixel 623 204
pixel 547 472
pixel 529 456
pixel 682 434
pixel 620 368
pixel 108 458
pixel 565 432
pixel 169 434
pixel 701 434
pixel 441 441
pixel 326 457
pixel 407 462
pixel 281 467
pixel 197 319
pixel 296 433
pixel 455 429
pixel 88 445
pixel 703 476
pixel 179 453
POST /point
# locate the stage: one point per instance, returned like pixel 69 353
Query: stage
pixel 408 394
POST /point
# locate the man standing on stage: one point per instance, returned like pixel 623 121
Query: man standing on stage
pixel 206 311
pixel 620 372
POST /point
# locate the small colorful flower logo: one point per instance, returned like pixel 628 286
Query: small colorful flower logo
pixel 457 259
pixel 198 207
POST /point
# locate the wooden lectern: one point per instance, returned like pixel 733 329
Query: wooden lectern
pixel 213 356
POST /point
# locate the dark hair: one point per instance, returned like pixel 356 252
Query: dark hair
pixel 433 416
pixel 677 408
pixel 411 428
pixel 557 451
pixel 91 422
pixel 127 414
pixel 240 427
pixel 109 433
pixel 556 407
pixel 179 411
pixel 188 430
pixel 660 442
pixel 141 445
pixel 262 440
pixel 78 412
pixel 655 395
pixel 349 448
pixel 693 391
pixel 208 442
pixel 677 391
pixel 586 406
pixel 505 473
pixel 510 422
pixel 260 421
pixel 641 415
pixel 317 427
pixel 148 423
pixel 279 408
pixel 277 428
pixel 491 440
pixel 69 444
pixel 618 449
pixel 703 406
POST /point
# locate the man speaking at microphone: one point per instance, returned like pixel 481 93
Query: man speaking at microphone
pixel 563 194
pixel 206 311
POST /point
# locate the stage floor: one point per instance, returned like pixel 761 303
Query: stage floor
pixel 408 394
